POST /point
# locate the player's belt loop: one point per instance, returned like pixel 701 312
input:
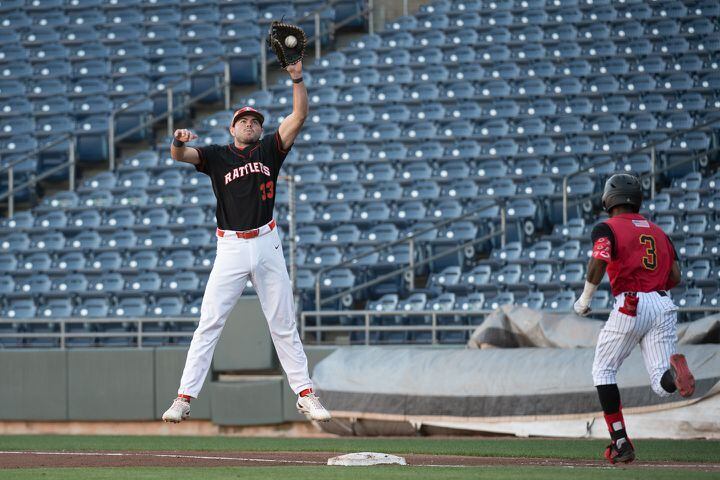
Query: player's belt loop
pixel 662 293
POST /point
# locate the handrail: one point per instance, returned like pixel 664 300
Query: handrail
pixel 614 156
pixel 63 334
pixel 409 238
pixel 433 327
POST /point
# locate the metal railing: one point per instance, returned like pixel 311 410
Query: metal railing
pixel 616 156
pixel 135 325
pixel 412 265
pixel 432 325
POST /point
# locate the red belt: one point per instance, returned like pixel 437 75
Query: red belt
pixel 247 233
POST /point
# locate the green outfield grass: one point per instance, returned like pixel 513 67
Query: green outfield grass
pixel 648 450
pixel 355 473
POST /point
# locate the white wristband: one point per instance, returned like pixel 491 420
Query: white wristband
pixel 588 293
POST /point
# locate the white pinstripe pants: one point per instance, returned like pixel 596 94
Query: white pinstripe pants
pixel 654 328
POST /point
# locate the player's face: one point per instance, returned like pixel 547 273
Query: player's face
pixel 247 129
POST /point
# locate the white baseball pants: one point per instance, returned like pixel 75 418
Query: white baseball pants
pixel 260 259
pixel 654 328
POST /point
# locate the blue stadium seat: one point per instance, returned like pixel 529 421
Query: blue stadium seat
pixel 37 262
pixel 20 308
pixel 35 284
pixel 182 281
pixel 70 284
pixel 7 284
pixel 561 302
pixel 540 274
pixel 71 261
pixel 477 277
pixel 145 282
pixel 87 240
pixel 177 259
pixel 51 241
pixel 533 300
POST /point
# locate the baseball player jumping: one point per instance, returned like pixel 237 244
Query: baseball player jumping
pixel 642 264
pixel 244 175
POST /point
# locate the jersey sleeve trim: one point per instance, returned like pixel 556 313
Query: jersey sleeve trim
pixel 278 143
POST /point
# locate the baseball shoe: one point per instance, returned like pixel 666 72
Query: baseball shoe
pixel 684 380
pixel 310 405
pixel 178 411
pixel 624 454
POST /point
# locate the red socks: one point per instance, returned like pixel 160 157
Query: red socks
pixel 616 426
pixel 187 398
pixel 306 392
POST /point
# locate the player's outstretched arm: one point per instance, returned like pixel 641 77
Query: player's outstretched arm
pixel 595 273
pixel 290 127
pixel 181 153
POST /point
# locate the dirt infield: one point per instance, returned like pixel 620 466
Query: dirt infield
pixel 9 459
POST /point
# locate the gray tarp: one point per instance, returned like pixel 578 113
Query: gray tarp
pixel 457 387
pixel 512 326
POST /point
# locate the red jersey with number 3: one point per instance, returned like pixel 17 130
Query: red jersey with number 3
pixel 639 254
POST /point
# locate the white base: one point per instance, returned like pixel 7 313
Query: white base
pixel 364 459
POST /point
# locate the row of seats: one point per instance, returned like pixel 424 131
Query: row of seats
pixel 465 66
pixel 446 6
pixel 113 261
pixel 37 284
pixel 56 13
pixel 554 301
pixel 523 13
pixel 101 307
pixel 90 240
pixel 488 90
pixel 521 275
pixel 487 55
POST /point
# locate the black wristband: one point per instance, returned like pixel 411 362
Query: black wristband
pixel 297 80
pixel 177 143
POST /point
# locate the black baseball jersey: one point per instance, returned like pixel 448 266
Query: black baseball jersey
pixel 243 181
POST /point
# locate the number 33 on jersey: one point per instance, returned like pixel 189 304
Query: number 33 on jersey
pixel 244 181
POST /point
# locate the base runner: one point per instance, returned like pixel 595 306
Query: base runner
pixel 642 264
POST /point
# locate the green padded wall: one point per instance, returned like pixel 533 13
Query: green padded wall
pixel 247 402
pixel 245 343
pixel 169 363
pixel 33 385
pixel 111 384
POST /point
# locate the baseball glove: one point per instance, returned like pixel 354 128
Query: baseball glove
pixel 288 41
